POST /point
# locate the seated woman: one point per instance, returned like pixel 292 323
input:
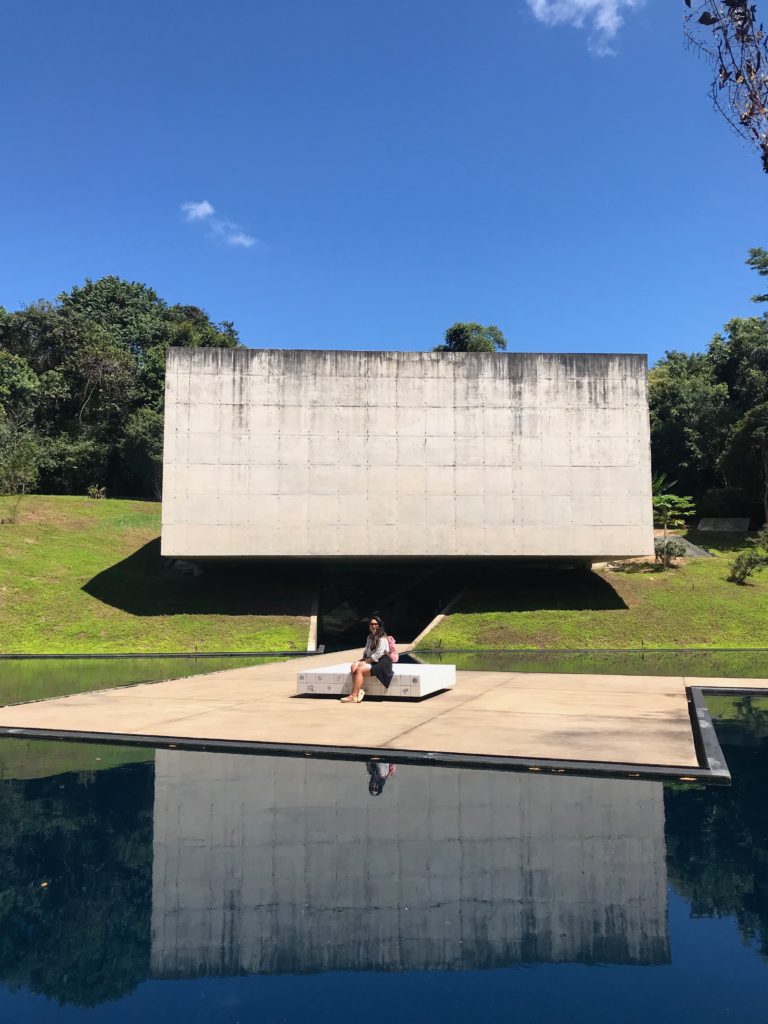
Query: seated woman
pixel 374 662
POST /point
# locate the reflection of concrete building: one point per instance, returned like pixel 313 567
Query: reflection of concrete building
pixel 485 454
pixel 280 865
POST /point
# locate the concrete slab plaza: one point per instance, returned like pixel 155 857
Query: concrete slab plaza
pixel 598 723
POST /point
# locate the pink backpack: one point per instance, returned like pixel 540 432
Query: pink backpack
pixel 393 649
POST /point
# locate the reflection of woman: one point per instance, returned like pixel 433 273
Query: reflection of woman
pixel 379 772
pixel 374 662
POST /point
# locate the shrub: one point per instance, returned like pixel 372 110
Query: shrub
pixel 760 541
pixel 96 492
pixel 728 501
pixel 667 548
pixel 746 564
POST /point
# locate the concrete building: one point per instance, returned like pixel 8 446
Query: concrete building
pixel 301 453
pixel 280 865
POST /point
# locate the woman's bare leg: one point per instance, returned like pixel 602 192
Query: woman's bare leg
pixel 361 671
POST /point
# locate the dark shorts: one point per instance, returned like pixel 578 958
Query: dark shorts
pixel 383 669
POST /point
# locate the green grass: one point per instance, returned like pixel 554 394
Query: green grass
pixel 691 605
pixel 84 576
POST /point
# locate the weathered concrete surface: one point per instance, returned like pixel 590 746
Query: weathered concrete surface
pixel 276 865
pixel 300 453
pixel 637 720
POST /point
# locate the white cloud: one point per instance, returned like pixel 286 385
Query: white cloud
pixel 240 238
pixel 225 231
pixel 197 211
pixel 603 18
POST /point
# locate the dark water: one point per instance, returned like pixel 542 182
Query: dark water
pixel 224 888
pixel 739 664
pixel 23 679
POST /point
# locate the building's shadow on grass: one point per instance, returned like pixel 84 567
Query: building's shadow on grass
pixel 144 584
pixel 727 542
pixel 544 588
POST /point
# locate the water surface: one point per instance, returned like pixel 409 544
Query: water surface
pixel 24 679
pixel 222 888
pixel 743 664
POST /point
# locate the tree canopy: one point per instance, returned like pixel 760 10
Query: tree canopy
pixel 709 415
pixel 470 337
pixel 82 386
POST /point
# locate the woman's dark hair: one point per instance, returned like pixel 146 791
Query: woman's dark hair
pixel 381 631
pixel 376 781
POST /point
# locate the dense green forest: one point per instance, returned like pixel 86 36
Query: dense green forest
pixel 81 397
pixel 709 416
pixel 82 386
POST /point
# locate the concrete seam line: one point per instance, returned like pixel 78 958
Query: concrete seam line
pixel 447 711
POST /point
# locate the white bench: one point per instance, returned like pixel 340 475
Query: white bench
pixel 408 681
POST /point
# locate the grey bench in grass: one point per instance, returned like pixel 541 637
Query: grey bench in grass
pixel 408 681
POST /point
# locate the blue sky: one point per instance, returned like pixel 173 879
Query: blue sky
pixel 378 170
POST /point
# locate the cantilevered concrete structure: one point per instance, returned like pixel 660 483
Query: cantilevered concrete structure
pixel 301 453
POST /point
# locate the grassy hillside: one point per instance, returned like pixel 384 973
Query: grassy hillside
pixel 691 605
pixel 83 576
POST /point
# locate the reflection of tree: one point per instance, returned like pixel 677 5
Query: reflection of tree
pixel 717 844
pixel 83 937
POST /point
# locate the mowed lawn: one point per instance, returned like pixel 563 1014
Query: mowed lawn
pixel 691 605
pixel 85 576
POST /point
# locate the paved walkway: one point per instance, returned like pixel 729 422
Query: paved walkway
pixel 619 720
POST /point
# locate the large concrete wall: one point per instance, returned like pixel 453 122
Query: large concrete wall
pixel 279 865
pixel 300 453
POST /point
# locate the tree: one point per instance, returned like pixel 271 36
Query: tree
pixel 132 313
pixel 746 452
pixel 729 35
pixel 19 448
pixel 739 359
pixel 472 338
pixel 758 260
pixel 690 414
pixel 671 510
pixel 95 366
pixel 142 450
pixel 698 404
pixel 19 460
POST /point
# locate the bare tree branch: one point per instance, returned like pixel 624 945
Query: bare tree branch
pixel 729 35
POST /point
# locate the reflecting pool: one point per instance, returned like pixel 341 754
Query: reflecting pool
pixel 741 664
pixel 172 885
pixel 23 679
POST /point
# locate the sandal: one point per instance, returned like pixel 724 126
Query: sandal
pixel 350 699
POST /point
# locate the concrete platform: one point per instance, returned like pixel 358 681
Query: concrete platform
pixel 623 725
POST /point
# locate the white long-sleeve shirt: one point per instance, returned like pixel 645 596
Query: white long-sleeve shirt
pixel 375 652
